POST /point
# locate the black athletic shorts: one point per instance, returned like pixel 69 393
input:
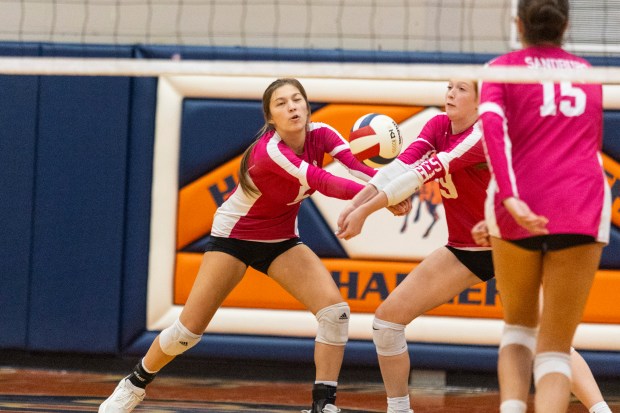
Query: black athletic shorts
pixel 553 242
pixel 480 263
pixel 255 254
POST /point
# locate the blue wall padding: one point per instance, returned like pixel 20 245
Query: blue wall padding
pixel 611 134
pixel 132 315
pixel 611 253
pixel 18 107
pixel 20 49
pixel 309 55
pixel 316 234
pixel 359 353
pixel 213 132
pixel 78 231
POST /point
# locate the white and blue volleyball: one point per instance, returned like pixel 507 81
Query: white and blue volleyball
pixel 375 140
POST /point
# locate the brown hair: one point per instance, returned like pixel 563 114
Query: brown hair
pixel 544 21
pixel 244 181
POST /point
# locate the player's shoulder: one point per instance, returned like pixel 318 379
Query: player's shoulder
pixel 322 128
pixel 438 121
pixel 506 59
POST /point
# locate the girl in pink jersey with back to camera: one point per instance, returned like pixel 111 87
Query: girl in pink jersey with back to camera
pixel 548 207
pixel 257 226
pixel 449 149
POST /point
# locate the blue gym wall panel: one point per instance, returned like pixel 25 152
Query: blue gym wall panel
pixel 18 105
pixel 80 192
pixel 611 129
pixel 213 132
pixel 138 203
pixel 611 253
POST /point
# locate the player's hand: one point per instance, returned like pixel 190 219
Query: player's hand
pixel 352 224
pixel 400 209
pixel 521 212
pixel 344 214
pixel 480 234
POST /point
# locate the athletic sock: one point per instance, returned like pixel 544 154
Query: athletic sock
pixel 399 404
pixel 513 406
pixel 600 407
pixel 140 377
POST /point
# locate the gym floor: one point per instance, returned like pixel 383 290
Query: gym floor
pixel 72 383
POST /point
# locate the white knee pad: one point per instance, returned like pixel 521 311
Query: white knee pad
pixel 333 324
pixel 551 362
pixel 177 339
pixel 389 338
pixel 520 335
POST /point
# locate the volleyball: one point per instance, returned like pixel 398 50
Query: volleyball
pixel 375 140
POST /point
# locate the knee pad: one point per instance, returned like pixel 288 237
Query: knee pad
pixel 177 339
pixel 333 324
pixel 520 335
pixel 551 362
pixel 389 338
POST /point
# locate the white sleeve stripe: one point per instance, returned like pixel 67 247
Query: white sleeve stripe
pixel 425 141
pixel 303 177
pixel 300 173
pixel 463 147
pixel 491 107
pixel 338 149
pixel 508 154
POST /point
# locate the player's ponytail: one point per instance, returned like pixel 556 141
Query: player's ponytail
pixel 544 21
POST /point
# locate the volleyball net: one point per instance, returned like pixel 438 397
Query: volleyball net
pixel 365 39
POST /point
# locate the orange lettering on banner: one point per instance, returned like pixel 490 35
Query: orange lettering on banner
pixel 365 284
pixel 199 200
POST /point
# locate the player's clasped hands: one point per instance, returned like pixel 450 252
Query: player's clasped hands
pixel 401 208
pixel 350 222
pixel 351 219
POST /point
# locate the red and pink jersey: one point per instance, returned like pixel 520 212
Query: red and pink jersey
pixel 458 164
pixel 283 180
pixel 543 142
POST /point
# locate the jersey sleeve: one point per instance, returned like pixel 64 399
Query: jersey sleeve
pixel 467 151
pixel 282 161
pixel 496 140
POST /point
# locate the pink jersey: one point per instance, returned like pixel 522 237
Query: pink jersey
pixel 458 163
pixel 283 180
pixel 543 142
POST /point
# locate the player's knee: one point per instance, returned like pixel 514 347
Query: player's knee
pixel 333 324
pixel 551 362
pixel 177 339
pixel 389 338
pixel 519 335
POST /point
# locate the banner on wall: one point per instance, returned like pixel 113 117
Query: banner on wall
pixel 379 259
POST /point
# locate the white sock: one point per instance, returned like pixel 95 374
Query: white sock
pixel 512 406
pixel 145 369
pixel 328 383
pixel 600 407
pixel 399 404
